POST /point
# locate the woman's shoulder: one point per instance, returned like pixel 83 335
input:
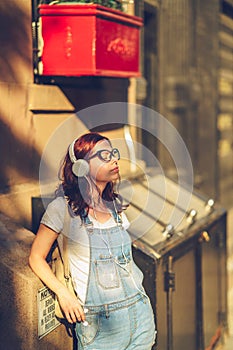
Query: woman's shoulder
pixel 57 204
pixel 54 214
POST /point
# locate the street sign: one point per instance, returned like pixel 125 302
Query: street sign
pixel 47 320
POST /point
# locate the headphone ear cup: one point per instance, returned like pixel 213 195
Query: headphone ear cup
pixel 80 168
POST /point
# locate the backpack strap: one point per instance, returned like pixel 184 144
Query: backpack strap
pixel 63 243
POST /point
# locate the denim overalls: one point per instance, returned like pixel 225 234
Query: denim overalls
pixel 118 312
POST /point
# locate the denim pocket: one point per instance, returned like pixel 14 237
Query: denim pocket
pixel 124 261
pixel 107 275
pixel 86 334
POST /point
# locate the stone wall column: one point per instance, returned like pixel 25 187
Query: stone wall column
pixel 176 62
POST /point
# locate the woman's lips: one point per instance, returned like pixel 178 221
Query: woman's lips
pixel 115 170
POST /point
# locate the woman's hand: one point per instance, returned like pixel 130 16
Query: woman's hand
pixel 70 305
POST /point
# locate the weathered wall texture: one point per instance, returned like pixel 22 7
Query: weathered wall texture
pixel 18 295
pixel 189 81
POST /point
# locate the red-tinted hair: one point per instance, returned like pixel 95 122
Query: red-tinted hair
pixel 77 189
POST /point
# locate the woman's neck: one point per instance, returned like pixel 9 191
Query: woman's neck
pixel 96 192
pixel 98 204
pixel 101 214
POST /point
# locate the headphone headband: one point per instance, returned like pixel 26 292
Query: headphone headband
pixel 71 152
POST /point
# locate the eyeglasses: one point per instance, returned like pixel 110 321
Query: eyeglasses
pixel 105 155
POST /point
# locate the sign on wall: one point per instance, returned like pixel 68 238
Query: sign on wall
pixel 47 320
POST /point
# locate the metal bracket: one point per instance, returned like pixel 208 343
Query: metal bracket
pixel 169 281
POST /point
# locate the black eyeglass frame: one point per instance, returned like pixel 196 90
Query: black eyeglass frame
pixel 98 154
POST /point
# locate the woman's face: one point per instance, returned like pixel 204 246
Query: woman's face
pixel 101 171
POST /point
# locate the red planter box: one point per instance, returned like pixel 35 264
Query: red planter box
pixel 89 40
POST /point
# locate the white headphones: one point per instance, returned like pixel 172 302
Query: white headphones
pixel 80 167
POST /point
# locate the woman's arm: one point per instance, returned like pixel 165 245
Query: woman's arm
pixel 37 260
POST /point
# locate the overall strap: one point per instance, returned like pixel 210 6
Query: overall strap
pixel 117 217
pixel 87 223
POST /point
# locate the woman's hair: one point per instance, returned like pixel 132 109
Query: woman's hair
pixel 77 189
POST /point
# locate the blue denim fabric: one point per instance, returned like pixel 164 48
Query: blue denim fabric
pixel 118 312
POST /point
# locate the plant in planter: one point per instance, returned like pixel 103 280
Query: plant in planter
pixel 115 4
pixel 89 38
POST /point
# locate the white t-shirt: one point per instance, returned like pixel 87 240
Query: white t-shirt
pixel 78 242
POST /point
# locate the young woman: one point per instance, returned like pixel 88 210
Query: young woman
pixel 111 309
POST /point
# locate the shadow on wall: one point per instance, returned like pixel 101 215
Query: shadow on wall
pixel 90 91
pixel 17 159
pixel 15 39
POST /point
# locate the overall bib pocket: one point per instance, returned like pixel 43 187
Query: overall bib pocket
pixel 106 272
pixel 124 261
